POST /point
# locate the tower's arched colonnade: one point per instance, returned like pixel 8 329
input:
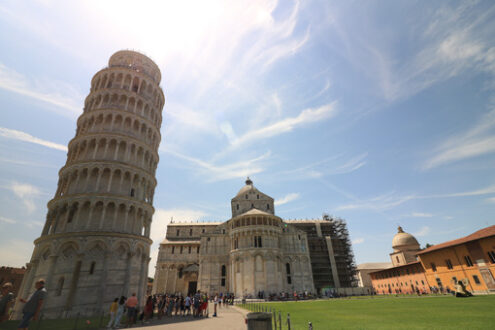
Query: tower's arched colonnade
pixel 95 243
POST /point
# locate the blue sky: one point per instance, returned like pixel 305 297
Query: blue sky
pixel 379 112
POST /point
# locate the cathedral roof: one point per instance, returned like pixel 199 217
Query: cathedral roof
pixel 255 212
pixel 247 188
pixel 403 240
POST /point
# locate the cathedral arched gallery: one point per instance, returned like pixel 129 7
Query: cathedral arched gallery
pixel 254 252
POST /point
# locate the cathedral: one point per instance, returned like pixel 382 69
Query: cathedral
pixel 254 252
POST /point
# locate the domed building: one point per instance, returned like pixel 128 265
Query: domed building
pixel 405 248
pixel 254 253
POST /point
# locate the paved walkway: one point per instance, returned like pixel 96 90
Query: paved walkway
pixel 229 318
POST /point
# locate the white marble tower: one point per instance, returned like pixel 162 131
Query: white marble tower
pixel 95 244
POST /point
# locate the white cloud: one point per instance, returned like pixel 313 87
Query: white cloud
pixel 212 172
pixel 26 193
pixel 15 252
pixel 7 220
pixel 491 200
pixel 393 199
pixel 161 219
pixel 425 230
pixel 287 199
pixel 358 241
pixel 288 124
pixel 420 215
pixel 54 93
pixel 477 141
pixel 22 136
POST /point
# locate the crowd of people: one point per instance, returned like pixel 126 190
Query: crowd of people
pixel 165 305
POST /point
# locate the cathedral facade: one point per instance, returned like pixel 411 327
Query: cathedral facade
pixel 255 251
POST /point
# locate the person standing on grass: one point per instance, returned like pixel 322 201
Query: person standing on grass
pixel 120 311
pixel 6 301
pixel 131 309
pixel 113 312
pixel 33 304
pixel 148 309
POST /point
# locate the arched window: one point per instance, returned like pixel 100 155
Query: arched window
pixel 224 271
pixel 246 196
pixel 224 274
pixel 92 268
pixel 267 206
pixel 287 269
pixel 60 286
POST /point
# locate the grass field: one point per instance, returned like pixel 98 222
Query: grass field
pixel 429 312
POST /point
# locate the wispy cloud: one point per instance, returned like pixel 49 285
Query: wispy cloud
pixel 334 165
pixel 212 172
pixel 54 93
pixel 287 199
pixel 418 215
pixel 477 141
pixel 7 220
pixel 309 115
pixel 425 230
pixel 23 136
pixel 393 199
pixel 358 241
pixel 491 200
pixel 26 193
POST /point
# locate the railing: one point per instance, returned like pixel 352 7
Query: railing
pixel 278 321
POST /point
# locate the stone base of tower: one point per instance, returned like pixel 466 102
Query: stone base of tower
pixel 84 272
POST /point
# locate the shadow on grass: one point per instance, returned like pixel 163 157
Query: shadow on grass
pixel 95 323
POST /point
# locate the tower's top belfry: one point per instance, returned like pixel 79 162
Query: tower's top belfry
pixel 136 61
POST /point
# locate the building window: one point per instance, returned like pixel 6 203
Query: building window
pixel 181 249
pixel 267 206
pixel 223 231
pixel 476 279
pixel 173 249
pixel 132 192
pixel 469 263
pixel 257 241
pixel 189 250
pixel 491 256
pixel 246 196
pixel 178 232
pixel 190 232
pixel 454 279
pixel 439 283
pixel 197 250
pixel 257 196
pixel 60 286
pixel 287 270
pixel 449 264
pixel 92 268
pixel 397 258
pixel 203 231
pixel 236 244
pixel 433 267
pixel 237 206
pixel 407 271
pixel 422 282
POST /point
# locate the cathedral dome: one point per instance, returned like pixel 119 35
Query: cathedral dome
pixel 247 188
pixel 404 241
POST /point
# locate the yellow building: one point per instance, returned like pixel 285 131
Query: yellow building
pixel 470 259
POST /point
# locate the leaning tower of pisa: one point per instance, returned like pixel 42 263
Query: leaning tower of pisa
pixel 95 244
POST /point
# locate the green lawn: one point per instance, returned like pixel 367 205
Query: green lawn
pixel 429 312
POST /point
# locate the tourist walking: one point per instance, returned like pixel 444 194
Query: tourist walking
pixel 148 309
pixel 215 304
pixel 6 301
pixel 33 306
pixel 120 312
pixel 113 312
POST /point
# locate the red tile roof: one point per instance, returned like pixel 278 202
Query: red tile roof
pixel 482 233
